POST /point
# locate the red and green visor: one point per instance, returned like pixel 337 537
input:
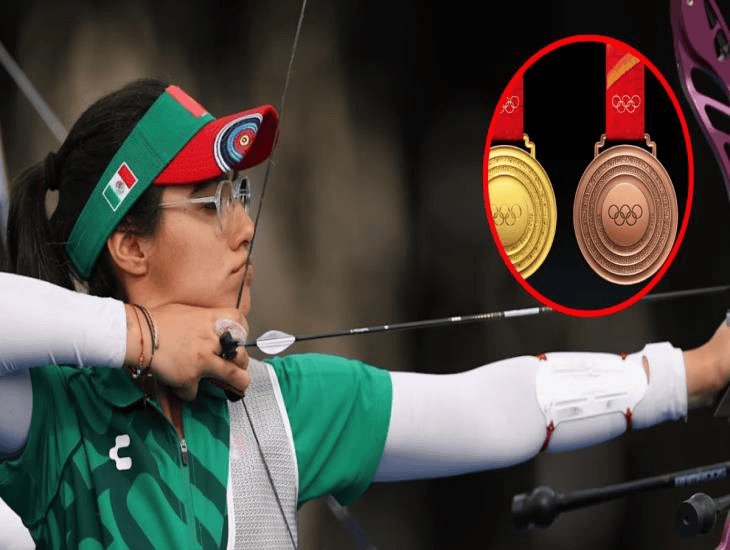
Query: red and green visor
pixel 176 142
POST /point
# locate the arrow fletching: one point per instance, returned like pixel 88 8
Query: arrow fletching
pixel 274 341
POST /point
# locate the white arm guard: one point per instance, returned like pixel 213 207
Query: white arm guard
pixel 498 414
pixel 42 324
pixel 572 386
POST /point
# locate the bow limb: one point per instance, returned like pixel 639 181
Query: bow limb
pixel 701 49
pixel 702 52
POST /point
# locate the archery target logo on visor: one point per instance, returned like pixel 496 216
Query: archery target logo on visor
pixel 234 140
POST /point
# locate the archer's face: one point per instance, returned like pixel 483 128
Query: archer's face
pixel 193 260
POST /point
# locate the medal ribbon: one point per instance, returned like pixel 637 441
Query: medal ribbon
pixel 510 123
pixel 624 96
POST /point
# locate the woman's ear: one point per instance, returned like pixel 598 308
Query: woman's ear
pixel 129 253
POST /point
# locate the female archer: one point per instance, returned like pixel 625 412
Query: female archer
pixel 152 216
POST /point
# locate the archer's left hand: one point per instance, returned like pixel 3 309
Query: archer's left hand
pixel 708 366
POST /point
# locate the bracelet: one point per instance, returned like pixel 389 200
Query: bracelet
pixel 137 373
pixel 153 331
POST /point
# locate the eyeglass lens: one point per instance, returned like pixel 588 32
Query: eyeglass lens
pixel 230 193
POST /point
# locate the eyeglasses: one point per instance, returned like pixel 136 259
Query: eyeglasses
pixel 234 189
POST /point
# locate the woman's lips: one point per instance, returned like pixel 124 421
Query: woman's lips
pixel 242 267
pixel 240 270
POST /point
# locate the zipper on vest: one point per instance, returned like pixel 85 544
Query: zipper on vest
pixel 184 451
pixel 177 413
pixel 177 421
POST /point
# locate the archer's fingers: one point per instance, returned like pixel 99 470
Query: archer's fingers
pixel 241 358
pixel 232 373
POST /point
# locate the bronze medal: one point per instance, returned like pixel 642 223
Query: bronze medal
pixel 523 205
pixel 625 213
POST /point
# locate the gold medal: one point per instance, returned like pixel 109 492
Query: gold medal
pixel 625 213
pixel 523 205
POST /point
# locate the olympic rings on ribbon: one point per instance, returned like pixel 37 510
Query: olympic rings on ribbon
pixel 626 103
pixel 510 104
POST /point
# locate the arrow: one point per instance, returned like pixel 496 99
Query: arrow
pixel 274 342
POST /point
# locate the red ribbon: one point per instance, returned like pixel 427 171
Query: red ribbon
pixel 510 122
pixel 624 96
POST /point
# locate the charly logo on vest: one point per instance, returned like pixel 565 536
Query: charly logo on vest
pixel 625 214
pixel 626 103
pixel 234 139
pixel 124 462
pixel 506 215
pixel 510 104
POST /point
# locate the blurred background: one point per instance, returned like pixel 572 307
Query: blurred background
pixel 374 213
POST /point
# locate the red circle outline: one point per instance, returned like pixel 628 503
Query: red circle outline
pixel 576 39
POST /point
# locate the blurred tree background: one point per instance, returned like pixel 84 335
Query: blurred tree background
pixel 374 214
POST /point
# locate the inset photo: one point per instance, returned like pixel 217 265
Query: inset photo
pixel 588 175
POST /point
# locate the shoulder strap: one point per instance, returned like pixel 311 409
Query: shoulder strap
pixel 255 519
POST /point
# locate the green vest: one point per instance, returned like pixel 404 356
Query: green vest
pixel 104 468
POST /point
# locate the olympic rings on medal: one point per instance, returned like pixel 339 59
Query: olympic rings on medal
pixel 625 214
pixel 625 103
pixel 506 215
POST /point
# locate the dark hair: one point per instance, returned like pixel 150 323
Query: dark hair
pixel 35 243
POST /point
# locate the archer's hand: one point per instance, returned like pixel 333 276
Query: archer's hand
pixel 189 348
pixel 708 366
pixel 719 346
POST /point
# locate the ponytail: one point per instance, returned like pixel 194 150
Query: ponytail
pixel 35 243
pixel 31 248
